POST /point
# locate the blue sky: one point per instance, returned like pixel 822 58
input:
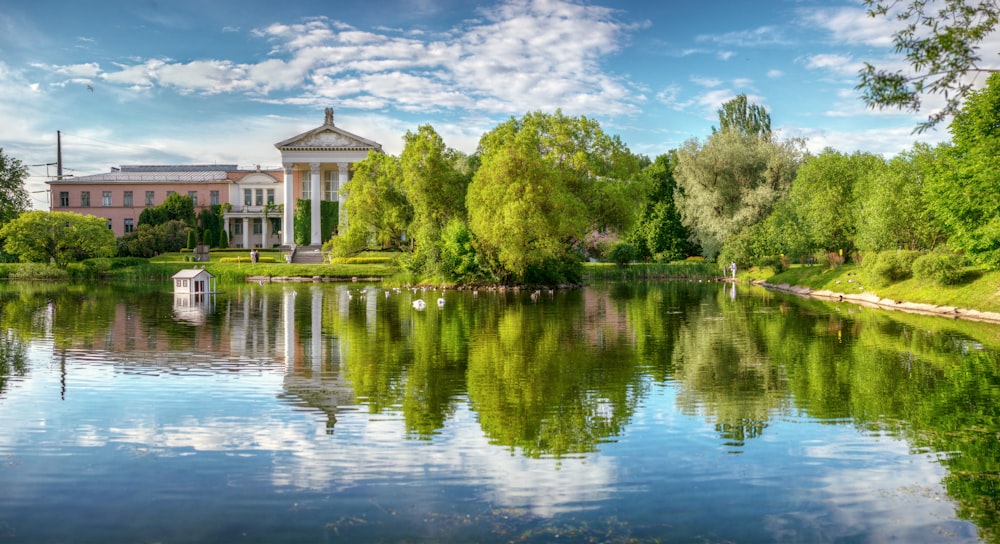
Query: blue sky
pixel 178 81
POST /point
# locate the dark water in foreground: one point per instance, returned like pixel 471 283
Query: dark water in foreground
pixel 662 412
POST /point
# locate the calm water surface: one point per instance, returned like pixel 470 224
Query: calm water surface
pixel 660 412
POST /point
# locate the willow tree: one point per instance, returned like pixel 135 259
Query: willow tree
pixel 379 210
pixel 730 182
pixel 544 181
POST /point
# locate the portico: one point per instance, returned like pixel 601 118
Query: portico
pixel 317 164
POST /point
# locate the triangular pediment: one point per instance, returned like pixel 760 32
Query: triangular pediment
pixel 327 137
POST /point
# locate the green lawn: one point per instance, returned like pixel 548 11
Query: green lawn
pixel 980 291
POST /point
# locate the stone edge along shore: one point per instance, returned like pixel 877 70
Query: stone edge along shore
pixel 874 301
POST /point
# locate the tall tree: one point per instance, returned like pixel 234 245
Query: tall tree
pixel 14 198
pixel 433 186
pixel 731 182
pixel 378 206
pixel 891 204
pixel 537 192
pixel 739 115
pixel 658 230
pixel 940 41
pixel 823 196
pixel 964 188
pixel 59 237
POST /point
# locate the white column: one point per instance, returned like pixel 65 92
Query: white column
pixel 264 240
pixel 246 232
pixel 288 310
pixel 342 171
pixel 316 235
pixel 287 231
pixel 317 329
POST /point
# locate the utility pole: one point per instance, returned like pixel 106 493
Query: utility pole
pixel 59 154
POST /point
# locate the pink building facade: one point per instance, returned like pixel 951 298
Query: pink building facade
pixel 315 163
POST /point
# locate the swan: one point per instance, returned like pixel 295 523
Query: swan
pixel 441 302
pixel 419 304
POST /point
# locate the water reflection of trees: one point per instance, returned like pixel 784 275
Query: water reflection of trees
pixel 562 375
pixel 545 379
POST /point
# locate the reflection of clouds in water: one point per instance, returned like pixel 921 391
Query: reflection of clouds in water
pixel 897 497
pixel 366 449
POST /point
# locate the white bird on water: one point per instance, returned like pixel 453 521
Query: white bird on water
pixel 441 302
pixel 419 304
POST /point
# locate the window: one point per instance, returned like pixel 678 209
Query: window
pixel 330 186
pixel 247 197
pixel 238 227
pixel 270 196
pixel 213 198
pixel 127 199
pixel 169 193
pixel 85 199
pixel 64 199
pixel 109 224
pixel 257 226
pixel 259 200
pixel 129 225
pixel 150 200
pixel 193 195
pixel 106 198
pixel 306 190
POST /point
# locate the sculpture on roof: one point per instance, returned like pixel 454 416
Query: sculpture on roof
pixel 329 117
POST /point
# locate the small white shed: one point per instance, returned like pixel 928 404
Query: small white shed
pixel 193 281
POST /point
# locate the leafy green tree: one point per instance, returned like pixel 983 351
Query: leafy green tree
pixel 378 206
pixel 940 41
pixel 536 193
pixel 823 196
pixel 749 119
pixel 731 182
pixel 964 188
pixel 223 239
pixel 14 198
pixel 658 231
pixel 192 240
pixel 149 241
pixel 175 207
pixel 59 237
pixel 891 204
pixel 435 189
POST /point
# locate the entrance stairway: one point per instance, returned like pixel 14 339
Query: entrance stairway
pixel 306 254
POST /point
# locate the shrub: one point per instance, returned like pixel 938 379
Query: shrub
pixel 940 267
pixel 890 266
pixel 622 253
pixel 37 271
pixel 775 262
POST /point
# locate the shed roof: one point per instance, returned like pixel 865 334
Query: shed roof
pixel 189 273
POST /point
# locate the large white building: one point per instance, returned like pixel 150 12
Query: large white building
pixel 315 163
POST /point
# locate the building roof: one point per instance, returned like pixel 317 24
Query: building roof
pixel 189 273
pixel 327 137
pixel 167 173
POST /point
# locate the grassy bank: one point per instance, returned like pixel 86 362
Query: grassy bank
pixel 979 291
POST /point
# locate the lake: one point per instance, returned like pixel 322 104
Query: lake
pixel 620 412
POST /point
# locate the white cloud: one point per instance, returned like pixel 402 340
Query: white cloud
pixel 522 55
pixel 775 74
pixel 760 36
pixel 709 82
pixel 852 26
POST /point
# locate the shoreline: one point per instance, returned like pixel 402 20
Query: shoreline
pixel 872 300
